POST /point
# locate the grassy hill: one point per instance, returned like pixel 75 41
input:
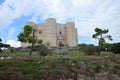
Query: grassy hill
pixel 56 67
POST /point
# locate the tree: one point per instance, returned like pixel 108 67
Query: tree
pixel 107 46
pixel 3 45
pixel 99 35
pixel 116 48
pixel 28 35
pixel 0 40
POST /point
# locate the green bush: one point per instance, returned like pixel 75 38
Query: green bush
pixel 43 50
pixel 11 49
pixel 116 48
pixel 36 48
pixel 88 49
pixel 1 50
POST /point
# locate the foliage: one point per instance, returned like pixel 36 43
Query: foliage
pixel 64 68
pixel 107 47
pixel 88 49
pixel 25 35
pixel 116 48
pixel 39 41
pixel 97 68
pixel 99 35
pixel 82 47
pixel 43 50
pixel 18 70
pixel 28 35
pixel 3 45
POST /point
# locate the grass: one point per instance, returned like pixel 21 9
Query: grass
pixel 35 53
pixel 17 54
pixel 75 53
pixel 20 70
pixel 53 66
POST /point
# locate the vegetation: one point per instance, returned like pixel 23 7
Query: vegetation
pixel 87 49
pixel 107 47
pixel 43 50
pixel 57 68
pixel 115 48
pixel 28 35
pixel 99 35
pixel 3 45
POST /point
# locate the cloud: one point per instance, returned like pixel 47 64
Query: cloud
pixel 87 14
pixel 13 43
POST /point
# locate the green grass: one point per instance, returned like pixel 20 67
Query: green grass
pixel 54 64
pixel 75 53
pixel 19 69
pixel 35 53
pixel 106 53
pixel 17 53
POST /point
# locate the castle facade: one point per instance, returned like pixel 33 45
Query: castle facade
pixel 55 34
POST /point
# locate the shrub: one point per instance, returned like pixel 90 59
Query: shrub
pixel 116 48
pixel 1 50
pixel 90 50
pixel 11 49
pixel 36 48
pixel 82 47
pixel 87 49
pixel 43 50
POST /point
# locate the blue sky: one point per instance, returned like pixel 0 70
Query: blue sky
pixel 87 15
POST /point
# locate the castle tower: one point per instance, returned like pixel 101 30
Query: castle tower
pixel 71 34
pixel 50 29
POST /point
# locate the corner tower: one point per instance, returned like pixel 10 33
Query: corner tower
pixel 50 29
pixel 71 34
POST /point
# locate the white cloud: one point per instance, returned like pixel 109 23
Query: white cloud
pixel 13 43
pixel 87 14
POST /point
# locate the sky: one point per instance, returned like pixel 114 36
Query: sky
pixel 87 15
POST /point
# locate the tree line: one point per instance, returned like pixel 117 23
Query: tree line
pixel 3 45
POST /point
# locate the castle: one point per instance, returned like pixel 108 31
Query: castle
pixel 55 34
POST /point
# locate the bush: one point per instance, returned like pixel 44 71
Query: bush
pixel 1 50
pixel 116 48
pixel 88 49
pixel 11 49
pixel 43 50
pixel 82 47
pixel 36 48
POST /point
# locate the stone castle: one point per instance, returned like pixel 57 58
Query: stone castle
pixel 54 34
